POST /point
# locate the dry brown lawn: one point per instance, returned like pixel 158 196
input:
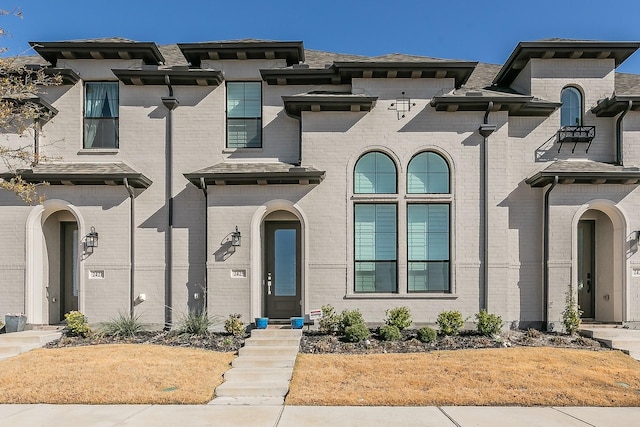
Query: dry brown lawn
pixel 510 376
pixel 112 374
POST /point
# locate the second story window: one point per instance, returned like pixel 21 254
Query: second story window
pixel 101 104
pixel 571 112
pixel 244 115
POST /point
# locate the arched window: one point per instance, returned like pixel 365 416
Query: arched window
pixel 375 173
pixel 428 224
pixel 375 225
pixel 571 111
pixel 428 173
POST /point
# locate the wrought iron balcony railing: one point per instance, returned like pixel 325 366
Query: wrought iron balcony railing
pixel 576 134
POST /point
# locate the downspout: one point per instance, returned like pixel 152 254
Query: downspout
pixel 132 248
pixel 545 255
pixel 300 140
pixel 619 139
pixel 485 130
pixel 36 142
pixel 203 187
pixel 170 103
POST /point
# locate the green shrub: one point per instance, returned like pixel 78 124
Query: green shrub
pixel 571 315
pixel 390 333
pixel 349 318
pixel 400 317
pixel 329 321
pixel 427 334
pixel 124 325
pixel 77 324
pixel 450 322
pixel 356 332
pixel 234 325
pixel 196 323
pixel 488 324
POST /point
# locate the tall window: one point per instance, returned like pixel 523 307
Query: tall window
pixel 375 225
pixel 244 114
pixel 571 111
pixel 428 225
pixel 101 104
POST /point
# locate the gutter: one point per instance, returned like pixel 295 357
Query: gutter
pixel 203 187
pixel 619 139
pixel 485 130
pixel 299 119
pixel 545 254
pixel 36 142
pixel 171 103
pixel 132 248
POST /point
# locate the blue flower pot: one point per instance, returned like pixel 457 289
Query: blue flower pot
pixel 297 322
pixel 262 322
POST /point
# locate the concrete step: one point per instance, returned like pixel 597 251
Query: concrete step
pixel 608 332
pixel 284 351
pixel 622 343
pixel 263 362
pixel 252 401
pixel 30 337
pixel 12 350
pixel 258 374
pixel 271 341
pixel 249 389
pixel 274 332
pixel 635 355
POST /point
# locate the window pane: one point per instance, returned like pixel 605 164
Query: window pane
pixel 375 173
pixel 375 247
pixel 428 173
pixel 428 247
pixel 571 111
pixel 285 262
pixel 375 276
pixel 244 133
pixel 244 114
pixel 101 111
pixel 430 276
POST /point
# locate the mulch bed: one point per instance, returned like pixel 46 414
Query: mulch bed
pixel 213 341
pixel 314 342
pixel 317 343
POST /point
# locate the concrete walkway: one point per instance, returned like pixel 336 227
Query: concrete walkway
pixel 14 343
pixel 618 338
pixel 261 373
pixel 290 416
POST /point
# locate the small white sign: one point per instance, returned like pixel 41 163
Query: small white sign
pixel 315 314
pixel 239 274
pixel 96 274
pixel 635 272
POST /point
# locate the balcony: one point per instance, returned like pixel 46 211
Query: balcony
pixel 576 134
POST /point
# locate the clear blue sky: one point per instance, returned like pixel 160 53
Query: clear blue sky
pixel 485 31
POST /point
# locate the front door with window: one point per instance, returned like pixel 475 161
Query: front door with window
pixel 586 268
pixel 68 268
pixel 282 269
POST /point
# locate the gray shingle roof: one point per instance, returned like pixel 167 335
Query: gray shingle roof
pixel 82 174
pixel 585 172
pixel 256 174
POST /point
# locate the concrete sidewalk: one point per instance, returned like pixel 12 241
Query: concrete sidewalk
pixel 290 416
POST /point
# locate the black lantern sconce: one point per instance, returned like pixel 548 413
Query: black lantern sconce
pixel 235 238
pixel 91 240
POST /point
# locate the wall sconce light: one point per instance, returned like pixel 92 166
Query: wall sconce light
pixel 91 240
pixel 402 105
pixel 235 238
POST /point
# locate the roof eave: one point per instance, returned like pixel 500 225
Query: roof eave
pixel 177 77
pixel 292 51
pixel 525 51
pixel 610 107
pixel 256 178
pixel 544 178
pixel 137 180
pixel 53 51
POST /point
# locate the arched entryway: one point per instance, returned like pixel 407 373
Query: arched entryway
pixel 54 257
pixel 278 258
pixel 600 262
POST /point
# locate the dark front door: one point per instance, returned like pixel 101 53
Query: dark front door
pixel 586 268
pixel 68 267
pixel 282 269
